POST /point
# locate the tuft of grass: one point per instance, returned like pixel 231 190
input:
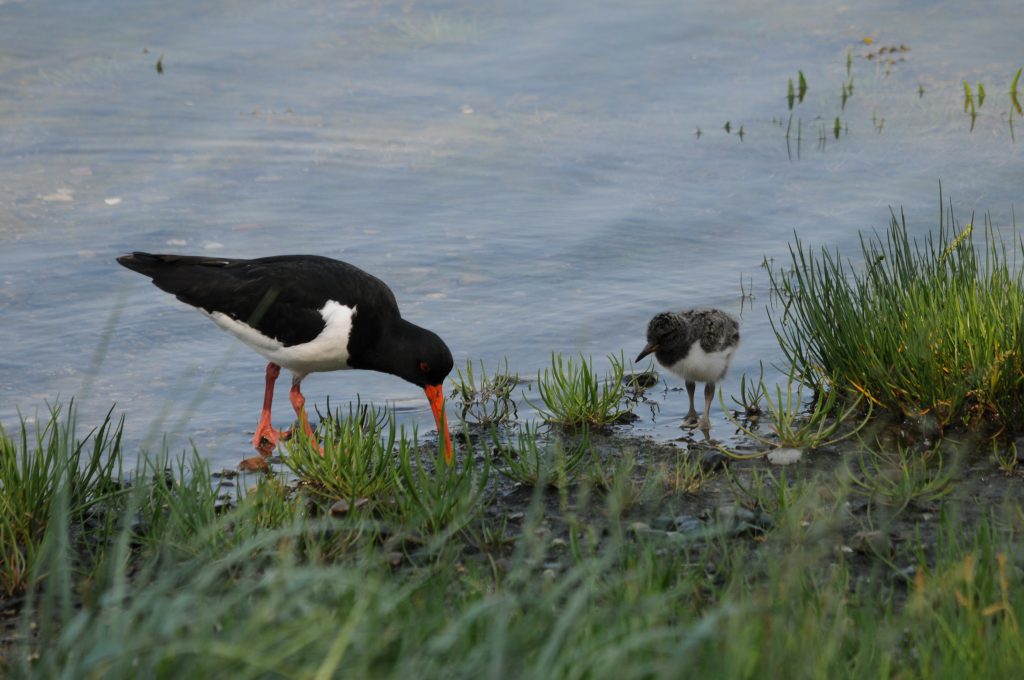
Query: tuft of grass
pixel 792 427
pixel 686 474
pixel 622 481
pixel 751 395
pixel 436 497
pixel 357 460
pixel 37 467
pixel 898 478
pixel 573 394
pixel 532 463
pixel 923 328
pixel 486 398
pixel 1006 457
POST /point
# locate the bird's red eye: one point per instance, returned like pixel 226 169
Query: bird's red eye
pixel 424 368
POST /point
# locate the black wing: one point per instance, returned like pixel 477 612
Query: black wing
pixel 279 296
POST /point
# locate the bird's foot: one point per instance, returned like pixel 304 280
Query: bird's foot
pixel 704 424
pixel 691 421
pixel 266 438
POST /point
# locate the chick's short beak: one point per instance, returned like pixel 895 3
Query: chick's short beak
pixel 651 347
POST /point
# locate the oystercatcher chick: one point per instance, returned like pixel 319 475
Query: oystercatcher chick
pixel 697 345
pixel 305 313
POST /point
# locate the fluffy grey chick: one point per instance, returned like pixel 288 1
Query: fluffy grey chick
pixel 697 345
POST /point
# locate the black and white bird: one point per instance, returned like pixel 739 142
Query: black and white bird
pixel 697 345
pixel 305 313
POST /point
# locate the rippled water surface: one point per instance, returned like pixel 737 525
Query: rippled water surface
pixel 528 176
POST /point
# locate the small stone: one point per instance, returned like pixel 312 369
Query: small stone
pixel 113 200
pixel 254 464
pixel 343 507
pixel 872 542
pixel 713 460
pixel 663 522
pixel 733 513
pixel 640 527
pixel 644 380
pixel 785 456
pixel 687 524
pixel 739 520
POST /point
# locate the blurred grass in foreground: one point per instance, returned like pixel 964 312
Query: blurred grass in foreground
pixel 446 582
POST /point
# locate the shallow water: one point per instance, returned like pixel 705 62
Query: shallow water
pixel 527 177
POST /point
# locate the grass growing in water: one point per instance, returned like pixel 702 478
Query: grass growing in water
pixel 926 328
pixel 486 398
pixel 573 394
pixel 792 427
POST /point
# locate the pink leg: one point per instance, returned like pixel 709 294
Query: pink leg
pixel 266 436
pixel 299 404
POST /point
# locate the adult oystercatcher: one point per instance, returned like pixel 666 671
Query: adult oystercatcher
pixel 695 344
pixel 305 313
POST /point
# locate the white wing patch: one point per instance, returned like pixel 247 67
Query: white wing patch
pixel 326 352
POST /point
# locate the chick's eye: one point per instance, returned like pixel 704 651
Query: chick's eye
pixel 424 368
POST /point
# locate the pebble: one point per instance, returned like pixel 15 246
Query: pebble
pixel 872 542
pixel 785 456
pixel 342 507
pixel 713 460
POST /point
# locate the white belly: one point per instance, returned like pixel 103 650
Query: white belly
pixel 326 352
pixel 701 366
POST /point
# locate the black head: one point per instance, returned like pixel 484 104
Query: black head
pixel 421 357
pixel 413 353
pixel 666 336
pixel 665 328
pixel 433 360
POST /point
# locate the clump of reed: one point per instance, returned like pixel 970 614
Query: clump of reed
pixel 926 328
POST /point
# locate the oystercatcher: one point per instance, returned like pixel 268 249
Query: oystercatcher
pixel 695 344
pixel 305 313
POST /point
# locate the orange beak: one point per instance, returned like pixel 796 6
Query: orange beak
pixel 435 396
